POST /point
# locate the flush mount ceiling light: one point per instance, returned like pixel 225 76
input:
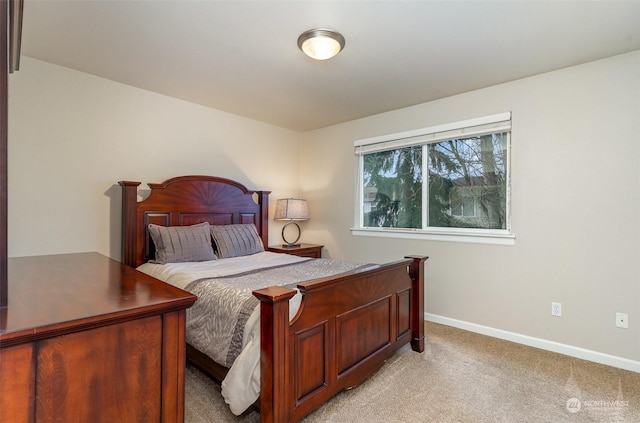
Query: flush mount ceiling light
pixel 321 44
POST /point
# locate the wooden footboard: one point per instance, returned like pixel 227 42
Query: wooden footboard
pixel 344 331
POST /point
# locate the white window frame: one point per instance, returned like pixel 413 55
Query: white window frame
pixel 488 124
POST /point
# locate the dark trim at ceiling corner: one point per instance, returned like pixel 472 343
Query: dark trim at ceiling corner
pixel 16 8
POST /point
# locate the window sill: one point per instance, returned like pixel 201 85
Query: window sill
pixel 448 235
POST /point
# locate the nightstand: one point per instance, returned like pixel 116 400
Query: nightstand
pixel 302 250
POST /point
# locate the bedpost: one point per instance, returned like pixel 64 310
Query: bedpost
pixel 274 353
pixel 416 271
pixel 129 223
pixel 263 202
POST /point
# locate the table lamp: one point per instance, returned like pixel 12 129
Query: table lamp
pixel 294 210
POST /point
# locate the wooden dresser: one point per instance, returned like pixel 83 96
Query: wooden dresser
pixel 87 339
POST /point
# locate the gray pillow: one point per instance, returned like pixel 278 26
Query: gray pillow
pixel 236 240
pixel 175 244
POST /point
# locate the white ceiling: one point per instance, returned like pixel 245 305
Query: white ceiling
pixel 241 56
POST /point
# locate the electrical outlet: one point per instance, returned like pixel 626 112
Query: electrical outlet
pixel 622 320
pixel 556 309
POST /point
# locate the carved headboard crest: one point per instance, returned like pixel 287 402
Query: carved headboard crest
pixel 187 200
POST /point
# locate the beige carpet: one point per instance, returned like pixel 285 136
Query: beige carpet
pixel 462 377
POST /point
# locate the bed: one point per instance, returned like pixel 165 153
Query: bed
pixel 341 330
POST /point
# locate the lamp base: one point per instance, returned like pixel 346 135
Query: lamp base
pixel 294 243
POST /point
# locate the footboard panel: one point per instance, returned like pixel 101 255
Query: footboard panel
pixel 344 331
pixel 310 361
pixel 362 332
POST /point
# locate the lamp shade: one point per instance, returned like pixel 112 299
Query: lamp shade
pixel 291 209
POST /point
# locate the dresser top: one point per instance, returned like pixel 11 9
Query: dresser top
pixel 58 294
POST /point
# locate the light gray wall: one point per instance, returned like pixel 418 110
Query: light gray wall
pixel 575 208
pixel 73 136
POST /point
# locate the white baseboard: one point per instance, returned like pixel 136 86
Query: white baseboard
pixel 597 357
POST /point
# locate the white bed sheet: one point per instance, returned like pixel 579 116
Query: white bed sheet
pixel 181 274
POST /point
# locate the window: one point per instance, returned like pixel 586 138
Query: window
pixel 448 182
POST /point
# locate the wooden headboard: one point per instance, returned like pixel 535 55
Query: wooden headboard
pixel 187 200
